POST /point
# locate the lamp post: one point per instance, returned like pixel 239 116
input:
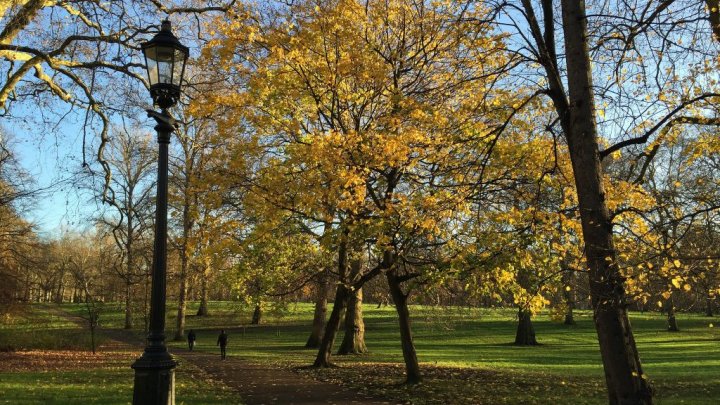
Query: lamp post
pixel 165 59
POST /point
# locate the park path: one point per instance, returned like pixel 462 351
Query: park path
pixel 264 384
pixel 257 384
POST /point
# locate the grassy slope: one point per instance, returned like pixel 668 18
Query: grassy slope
pixel 41 328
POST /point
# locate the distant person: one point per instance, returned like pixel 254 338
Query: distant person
pixel 191 339
pixel 222 341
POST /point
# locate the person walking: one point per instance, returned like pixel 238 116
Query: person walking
pixel 222 342
pixel 191 339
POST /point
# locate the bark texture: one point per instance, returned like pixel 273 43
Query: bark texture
pixel 257 315
pixel 341 316
pixel 709 305
pixel 568 296
pixel 713 7
pixel 326 345
pixel 203 310
pixel 128 305
pixel 320 315
pixel 623 371
pixel 672 325
pixel 525 334
pixel 412 367
pixel 354 339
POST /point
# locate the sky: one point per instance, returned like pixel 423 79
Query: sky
pixel 50 160
pixel 48 133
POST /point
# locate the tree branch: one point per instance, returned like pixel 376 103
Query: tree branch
pixel 665 120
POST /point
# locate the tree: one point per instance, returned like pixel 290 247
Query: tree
pixel 85 46
pixel 358 136
pixel 17 236
pixel 129 218
pixel 271 264
pixel 85 268
pixel 187 202
pixel 680 183
pixel 632 58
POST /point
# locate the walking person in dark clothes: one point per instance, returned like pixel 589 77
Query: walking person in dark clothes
pixel 222 341
pixel 191 339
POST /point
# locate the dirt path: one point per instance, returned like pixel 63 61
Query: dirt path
pixel 265 384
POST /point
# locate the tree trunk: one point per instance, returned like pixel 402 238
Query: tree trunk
pixel 354 339
pixel 93 318
pixel 28 288
pixel 257 314
pixel 623 372
pixel 525 334
pixel 672 325
pixel 128 305
pixel 59 294
pixel 412 367
pixel 182 297
pixel 203 310
pixel 187 225
pixel 709 305
pixel 568 296
pixel 129 270
pixel 569 316
pixel 342 317
pixel 92 338
pixel 713 7
pixel 146 305
pixel 318 327
pixel 326 345
pixel 182 306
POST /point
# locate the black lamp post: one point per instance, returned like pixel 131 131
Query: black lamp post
pixel 165 58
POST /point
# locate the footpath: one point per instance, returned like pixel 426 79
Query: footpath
pixel 263 384
pixel 257 384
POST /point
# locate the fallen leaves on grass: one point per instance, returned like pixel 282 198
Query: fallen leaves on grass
pixel 62 360
pixel 454 385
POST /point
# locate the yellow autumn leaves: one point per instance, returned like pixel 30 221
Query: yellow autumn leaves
pixel 383 117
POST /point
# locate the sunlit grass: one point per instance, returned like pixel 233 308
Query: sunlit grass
pixel 105 379
pixel 473 344
pixel 683 365
pixel 103 386
pixel 40 326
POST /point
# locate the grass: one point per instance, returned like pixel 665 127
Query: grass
pixel 42 327
pixel 684 366
pixel 464 353
pixel 53 365
pixel 105 384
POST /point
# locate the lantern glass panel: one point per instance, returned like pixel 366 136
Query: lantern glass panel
pixel 165 64
pixel 179 67
pixel 152 68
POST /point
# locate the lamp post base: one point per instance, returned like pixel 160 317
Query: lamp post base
pixel 154 379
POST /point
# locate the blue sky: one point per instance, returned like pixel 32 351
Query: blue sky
pixel 51 159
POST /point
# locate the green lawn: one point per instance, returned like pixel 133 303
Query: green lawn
pixel 41 328
pixel 684 366
pixel 56 368
pixel 104 384
pixel 465 355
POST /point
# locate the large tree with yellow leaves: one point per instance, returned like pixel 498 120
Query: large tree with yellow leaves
pixel 370 120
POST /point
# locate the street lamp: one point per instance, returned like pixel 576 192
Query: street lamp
pixel 165 59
